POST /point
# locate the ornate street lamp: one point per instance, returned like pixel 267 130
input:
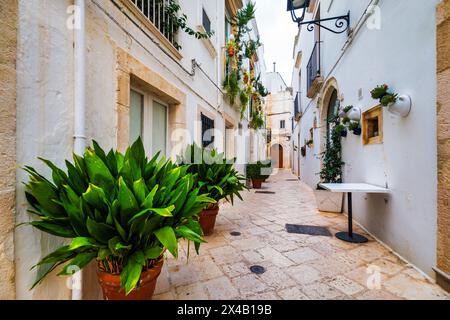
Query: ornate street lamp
pixel 342 23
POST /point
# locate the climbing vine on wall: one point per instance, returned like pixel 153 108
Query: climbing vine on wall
pixel 179 22
pixel 240 82
pixel 332 158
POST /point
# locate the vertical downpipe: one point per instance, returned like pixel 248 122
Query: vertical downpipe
pixel 79 107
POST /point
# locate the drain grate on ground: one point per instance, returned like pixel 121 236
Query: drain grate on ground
pixel 265 192
pixel 291 179
pixel 257 269
pixel 311 230
pixel 235 233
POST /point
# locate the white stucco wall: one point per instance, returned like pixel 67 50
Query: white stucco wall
pixel 45 98
pixel 405 162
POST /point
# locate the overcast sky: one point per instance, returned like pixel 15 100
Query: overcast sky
pixel 277 34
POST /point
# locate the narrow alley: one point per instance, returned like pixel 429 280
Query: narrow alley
pixel 296 266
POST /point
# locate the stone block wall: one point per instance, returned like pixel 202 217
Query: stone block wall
pixel 8 44
pixel 443 136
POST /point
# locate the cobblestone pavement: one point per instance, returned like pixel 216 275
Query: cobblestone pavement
pixel 297 266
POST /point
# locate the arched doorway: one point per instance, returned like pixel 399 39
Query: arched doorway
pixel 332 112
pixel 329 106
pixel 276 154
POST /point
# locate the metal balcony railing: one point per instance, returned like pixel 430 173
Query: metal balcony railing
pixel 154 11
pixel 313 67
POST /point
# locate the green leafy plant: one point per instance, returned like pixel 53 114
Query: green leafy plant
pixel 339 128
pixel 231 86
pixel 345 120
pixel 309 143
pixel 260 170
pixel 332 157
pixel 257 120
pixel 251 47
pixel 353 125
pixel 214 174
pixel 179 21
pixel 123 210
pixel 379 91
pixel 383 94
pixel 347 109
pixel 388 99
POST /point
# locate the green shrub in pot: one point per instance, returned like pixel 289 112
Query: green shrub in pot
pixel 123 210
pixel 257 172
pixel 215 176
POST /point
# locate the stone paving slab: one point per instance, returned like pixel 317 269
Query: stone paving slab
pixel 298 267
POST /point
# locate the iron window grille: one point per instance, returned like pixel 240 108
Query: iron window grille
pixel 313 67
pixel 297 104
pixel 207 131
pixel 154 11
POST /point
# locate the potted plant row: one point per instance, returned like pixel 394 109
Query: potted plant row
pixel 215 176
pixel 121 210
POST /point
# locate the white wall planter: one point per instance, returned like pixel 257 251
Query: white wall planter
pixel 329 201
pixel 402 107
pixel 354 114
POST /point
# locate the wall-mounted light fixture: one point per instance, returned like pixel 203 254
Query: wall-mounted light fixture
pixel 342 23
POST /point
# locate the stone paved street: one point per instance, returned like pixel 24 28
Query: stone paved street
pixel 297 266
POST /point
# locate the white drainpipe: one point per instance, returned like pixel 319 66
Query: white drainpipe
pixel 79 107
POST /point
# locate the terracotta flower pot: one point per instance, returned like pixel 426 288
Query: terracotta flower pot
pixel 112 290
pixel 208 220
pixel 257 183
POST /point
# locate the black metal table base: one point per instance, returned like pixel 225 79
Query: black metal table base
pixel 353 238
pixel 350 236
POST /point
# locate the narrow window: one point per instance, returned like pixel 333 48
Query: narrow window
pixel 207 131
pixel 282 124
pixel 136 115
pixel 206 21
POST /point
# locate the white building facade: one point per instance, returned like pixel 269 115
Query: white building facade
pixel 279 117
pixel 393 43
pixel 134 78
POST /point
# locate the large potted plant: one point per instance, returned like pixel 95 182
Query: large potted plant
pixel 215 176
pixel 122 210
pixel 257 172
pixel 331 171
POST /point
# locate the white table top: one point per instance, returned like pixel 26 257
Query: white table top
pixel 353 187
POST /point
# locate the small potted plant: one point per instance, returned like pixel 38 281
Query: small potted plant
pixel 215 176
pixel 355 127
pixel 383 94
pixel 257 173
pixel 309 143
pixel 121 210
pixel 341 130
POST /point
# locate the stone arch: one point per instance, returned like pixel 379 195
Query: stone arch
pixel 330 86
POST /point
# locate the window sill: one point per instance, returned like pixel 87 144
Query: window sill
pixel 153 29
pixel 208 43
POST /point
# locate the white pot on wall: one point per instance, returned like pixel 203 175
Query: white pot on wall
pixel 329 201
pixel 401 107
pixel 354 114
